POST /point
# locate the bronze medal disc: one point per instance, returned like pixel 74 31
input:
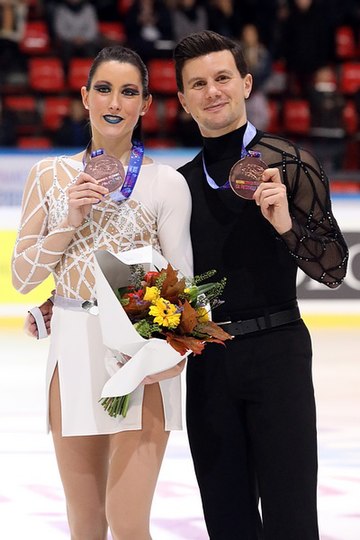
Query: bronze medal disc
pixel 108 169
pixel 245 176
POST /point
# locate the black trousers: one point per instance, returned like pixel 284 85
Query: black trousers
pixel 252 431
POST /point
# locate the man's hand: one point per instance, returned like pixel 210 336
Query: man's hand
pixel 30 326
pixel 272 199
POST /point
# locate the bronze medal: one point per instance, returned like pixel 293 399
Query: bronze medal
pixel 108 169
pixel 245 176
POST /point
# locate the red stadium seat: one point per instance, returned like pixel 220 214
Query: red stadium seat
pixel 274 120
pixel 34 143
pixel 171 112
pixel 345 46
pixel 36 39
pixel 162 76
pixel 344 187
pixel 296 116
pixel 150 123
pixel 124 5
pixel 161 117
pixel 160 142
pixel 350 117
pixel 113 32
pixel 25 113
pixel 54 110
pixel 46 74
pixel 350 77
pixel 78 72
pixel 20 103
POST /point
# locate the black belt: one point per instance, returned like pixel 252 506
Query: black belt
pixel 239 328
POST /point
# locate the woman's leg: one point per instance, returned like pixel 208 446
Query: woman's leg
pixel 135 461
pixel 83 466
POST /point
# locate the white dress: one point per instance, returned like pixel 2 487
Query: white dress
pixel 157 213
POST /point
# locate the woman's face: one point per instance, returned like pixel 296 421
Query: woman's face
pixel 115 100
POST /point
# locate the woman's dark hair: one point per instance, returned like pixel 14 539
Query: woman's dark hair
pixel 122 55
pixel 202 43
pixel 125 56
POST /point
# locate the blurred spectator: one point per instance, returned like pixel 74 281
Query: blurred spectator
pixel 259 63
pixel 74 130
pixel 76 30
pixel 257 109
pixel 13 14
pixel 257 56
pixel 308 43
pixel 264 14
pixel 48 8
pixel 7 128
pixel 149 29
pixel 188 16
pixel 224 17
pixel 107 10
pixel 327 119
pixel 344 13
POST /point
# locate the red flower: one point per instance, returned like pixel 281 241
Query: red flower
pixel 134 296
pixel 150 278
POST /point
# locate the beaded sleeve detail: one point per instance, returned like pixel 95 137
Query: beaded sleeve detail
pixel 315 240
pixel 43 247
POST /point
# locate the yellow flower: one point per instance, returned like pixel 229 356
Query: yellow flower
pixel 202 314
pixel 151 294
pixel 165 313
pixel 191 293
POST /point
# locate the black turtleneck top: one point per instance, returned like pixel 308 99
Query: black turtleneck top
pixel 230 234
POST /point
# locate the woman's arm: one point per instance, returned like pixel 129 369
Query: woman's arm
pixel 37 251
pixel 173 221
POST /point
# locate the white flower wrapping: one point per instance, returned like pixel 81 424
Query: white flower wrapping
pixel 147 356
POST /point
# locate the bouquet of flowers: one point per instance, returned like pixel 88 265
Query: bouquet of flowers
pixel 163 307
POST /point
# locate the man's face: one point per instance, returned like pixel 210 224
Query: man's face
pixel 214 93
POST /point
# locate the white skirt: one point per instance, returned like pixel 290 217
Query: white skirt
pixel 77 349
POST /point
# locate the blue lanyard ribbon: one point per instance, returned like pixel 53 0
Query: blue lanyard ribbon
pixel 249 134
pixel 135 162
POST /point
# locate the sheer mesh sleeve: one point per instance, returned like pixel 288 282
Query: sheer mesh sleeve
pixel 37 251
pixel 315 239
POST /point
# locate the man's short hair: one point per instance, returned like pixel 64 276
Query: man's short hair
pixel 202 43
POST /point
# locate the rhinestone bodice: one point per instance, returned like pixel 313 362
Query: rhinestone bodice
pixel 43 246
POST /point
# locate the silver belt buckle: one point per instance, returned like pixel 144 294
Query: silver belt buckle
pixel 90 307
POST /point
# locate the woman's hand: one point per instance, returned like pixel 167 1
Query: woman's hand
pixel 272 199
pixel 30 326
pixel 167 374
pixel 85 192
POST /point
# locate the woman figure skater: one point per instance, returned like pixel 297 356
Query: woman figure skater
pixel 108 466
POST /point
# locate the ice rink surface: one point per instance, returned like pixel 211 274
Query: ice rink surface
pixel 31 499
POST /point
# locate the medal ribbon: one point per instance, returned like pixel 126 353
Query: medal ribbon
pixel 135 161
pixel 249 134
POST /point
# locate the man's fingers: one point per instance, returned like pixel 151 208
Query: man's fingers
pixel 269 189
pixel 30 327
pixel 272 174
